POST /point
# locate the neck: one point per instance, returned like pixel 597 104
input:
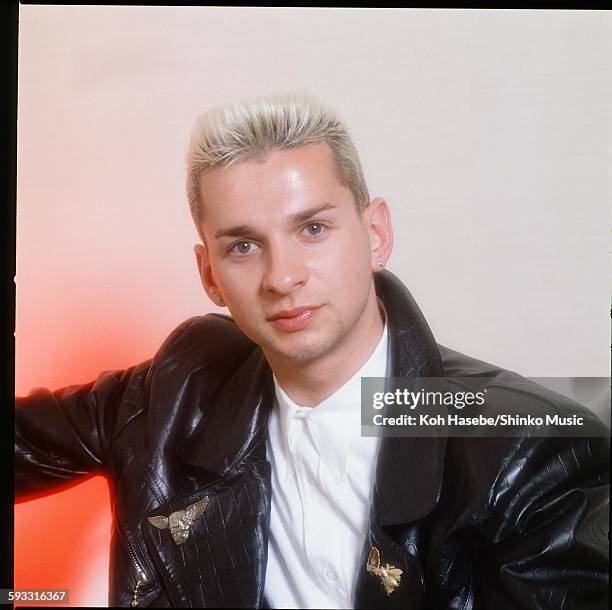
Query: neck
pixel 308 384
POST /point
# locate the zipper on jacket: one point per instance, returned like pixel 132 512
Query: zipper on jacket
pixel 141 579
pixel 141 576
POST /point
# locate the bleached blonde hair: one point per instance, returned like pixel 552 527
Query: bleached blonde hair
pixel 250 129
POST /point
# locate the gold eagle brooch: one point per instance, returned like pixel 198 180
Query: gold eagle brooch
pixel 180 521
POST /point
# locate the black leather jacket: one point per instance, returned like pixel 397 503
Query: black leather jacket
pixel 487 523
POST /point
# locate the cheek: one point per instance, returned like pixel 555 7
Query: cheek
pixel 349 262
pixel 240 295
pixel 237 283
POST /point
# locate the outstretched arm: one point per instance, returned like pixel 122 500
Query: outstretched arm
pixel 64 435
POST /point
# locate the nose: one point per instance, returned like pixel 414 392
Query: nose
pixel 284 271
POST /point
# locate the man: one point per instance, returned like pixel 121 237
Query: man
pixel 239 474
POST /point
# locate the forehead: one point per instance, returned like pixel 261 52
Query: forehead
pixel 283 183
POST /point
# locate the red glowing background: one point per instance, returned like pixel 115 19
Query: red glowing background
pixel 105 265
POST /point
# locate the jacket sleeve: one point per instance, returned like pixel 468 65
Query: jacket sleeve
pixel 64 435
pixel 549 539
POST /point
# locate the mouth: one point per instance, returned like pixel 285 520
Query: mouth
pixel 292 320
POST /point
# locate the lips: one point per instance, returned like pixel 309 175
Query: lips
pixel 292 320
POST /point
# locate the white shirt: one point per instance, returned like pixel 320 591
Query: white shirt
pixel 322 479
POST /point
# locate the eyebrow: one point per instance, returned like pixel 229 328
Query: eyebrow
pixel 294 219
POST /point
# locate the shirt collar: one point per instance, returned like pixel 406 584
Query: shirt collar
pixel 336 421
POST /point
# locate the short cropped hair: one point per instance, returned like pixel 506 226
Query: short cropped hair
pixel 250 129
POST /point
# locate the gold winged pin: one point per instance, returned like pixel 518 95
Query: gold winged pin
pixel 389 575
pixel 180 521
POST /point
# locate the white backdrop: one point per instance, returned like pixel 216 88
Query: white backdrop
pixel 489 133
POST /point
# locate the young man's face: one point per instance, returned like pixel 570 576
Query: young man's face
pixel 289 253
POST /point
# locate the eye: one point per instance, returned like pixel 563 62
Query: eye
pixel 242 247
pixel 314 229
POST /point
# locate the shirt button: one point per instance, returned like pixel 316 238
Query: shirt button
pixel 313 481
pixel 330 575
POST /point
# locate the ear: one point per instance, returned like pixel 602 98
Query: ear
pixel 206 276
pixel 378 223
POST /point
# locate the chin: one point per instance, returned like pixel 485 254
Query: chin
pixel 303 350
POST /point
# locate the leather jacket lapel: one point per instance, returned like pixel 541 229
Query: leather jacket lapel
pixel 412 348
pixel 237 423
pixel 223 561
pixel 409 471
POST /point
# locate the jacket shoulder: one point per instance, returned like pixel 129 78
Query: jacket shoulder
pixel 192 364
pixel 212 340
pixel 456 363
pixel 509 391
pixel 519 472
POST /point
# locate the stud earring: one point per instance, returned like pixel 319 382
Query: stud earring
pixel 381 264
